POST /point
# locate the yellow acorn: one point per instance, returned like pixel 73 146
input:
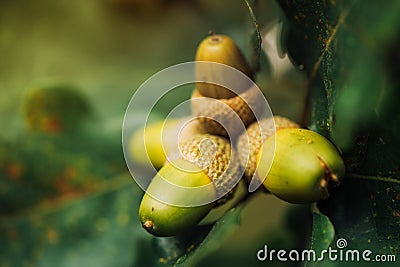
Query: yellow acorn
pixel 160 139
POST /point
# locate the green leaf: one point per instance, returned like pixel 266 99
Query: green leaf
pixel 322 232
pixel 218 234
pixel 255 37
pixel 193 245
pixel 34 170
pixel 365 214
pixel 378 207
pixel 349 50
pixel 322 235
pixel 88 230
pixel 170 249
pixel 310 44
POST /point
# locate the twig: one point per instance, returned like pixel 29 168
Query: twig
pixel 373 178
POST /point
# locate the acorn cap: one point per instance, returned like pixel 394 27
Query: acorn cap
pixel 214 155
pixel 220 49
pixel 304 165
pixel 249 143
pixel 219 117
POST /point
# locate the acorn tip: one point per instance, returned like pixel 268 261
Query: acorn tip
pixel 148 224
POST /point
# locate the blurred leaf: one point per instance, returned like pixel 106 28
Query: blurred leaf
pixel 97 229
pixel 218 234
pixel 349 50
pixel 37 167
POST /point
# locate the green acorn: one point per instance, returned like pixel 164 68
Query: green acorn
pixel 205 161
pixel 303 165
pixel 249 143
pixel 162 219
pixel 220 49
pixel 296 165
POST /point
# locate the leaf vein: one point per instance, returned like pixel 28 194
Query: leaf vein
pixel 341 19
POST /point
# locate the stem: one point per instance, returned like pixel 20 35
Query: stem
pixel 245 198
pixel 373 178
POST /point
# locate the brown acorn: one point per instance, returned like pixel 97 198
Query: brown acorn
pixel 220 49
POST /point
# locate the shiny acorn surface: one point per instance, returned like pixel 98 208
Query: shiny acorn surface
pixel 304 165
pixel 165 219
pixel 220 49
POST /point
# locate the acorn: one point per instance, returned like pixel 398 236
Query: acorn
pixel 207 161
pixel 220 49
pixel 222 111
pixel 55 109
pixel 164 219
pixel 299 166
pixel 250 142
pixel 159 139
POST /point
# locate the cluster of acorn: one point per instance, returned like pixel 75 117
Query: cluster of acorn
pixel 296 165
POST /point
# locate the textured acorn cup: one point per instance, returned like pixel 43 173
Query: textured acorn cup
pixel 159 139
pixel 216 115
pixel 249 143
pixel 220 49
pixel 304 165
pixel 205 159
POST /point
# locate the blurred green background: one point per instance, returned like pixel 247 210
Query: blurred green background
pixel 66 197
